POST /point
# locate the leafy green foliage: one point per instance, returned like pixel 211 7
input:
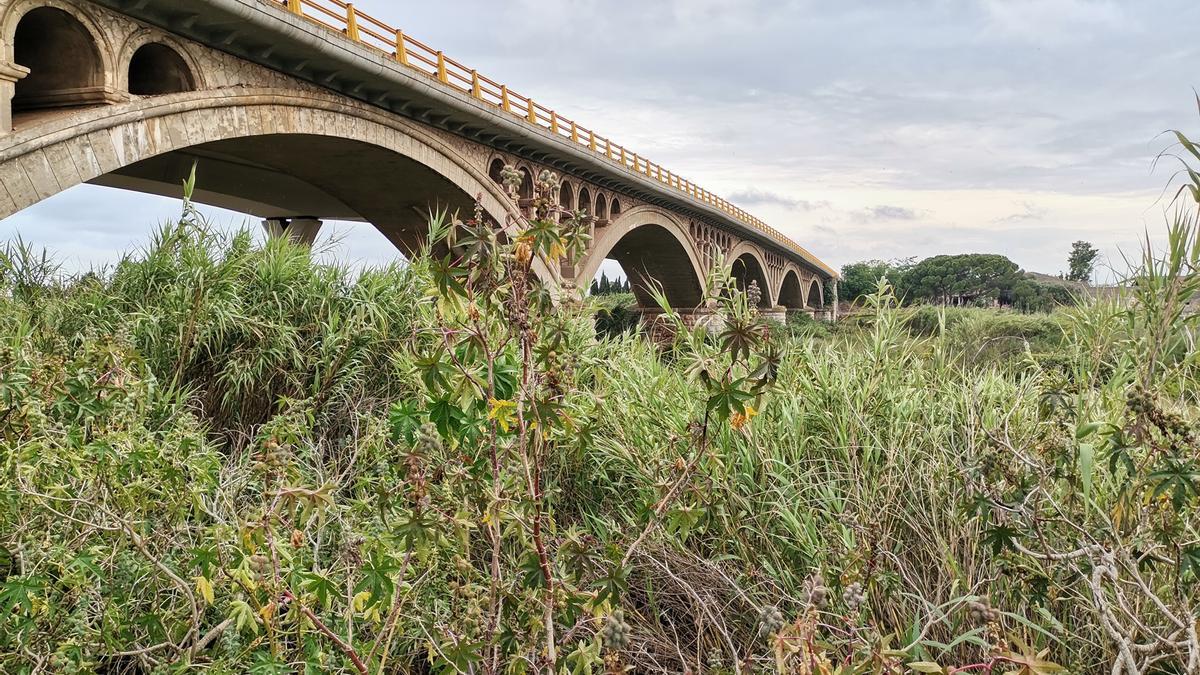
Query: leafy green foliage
pixel 1082 261
pixel 976 277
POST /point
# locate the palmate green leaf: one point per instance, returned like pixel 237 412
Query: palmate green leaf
pixel 728 399
pixel 403 420
pixel 612 584
pixel 321 586
pixel 1177 477
pixel 377 571
pixel 244 617
pixel 1189 563
pixel 17 593
pixel 447 416
pixel 740 337
pixel 1001 537
pixel 435 369
pixel 458 656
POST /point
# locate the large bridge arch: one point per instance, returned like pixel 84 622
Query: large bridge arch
pixel 746 264
pixel 793 292
pixel 652 246
pixel 146 144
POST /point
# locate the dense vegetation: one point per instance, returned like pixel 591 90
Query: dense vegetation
pixel 228 457
pixel 974 279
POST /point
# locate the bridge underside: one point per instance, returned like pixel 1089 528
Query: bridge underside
pixel 299 175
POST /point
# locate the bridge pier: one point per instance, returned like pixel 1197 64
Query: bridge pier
pixel 10 74
pixel 300 230
pixel 778 314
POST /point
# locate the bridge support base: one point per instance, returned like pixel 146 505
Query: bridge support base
pixel 10 73
pixel 777 314
pixel 301 231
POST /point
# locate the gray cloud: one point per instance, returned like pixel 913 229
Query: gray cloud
pixel 754 197
pixel 886 212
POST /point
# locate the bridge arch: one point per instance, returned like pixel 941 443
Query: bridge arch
pixel 792 292
pixel 566 195
pixel 746 264
pixel 152 63
pixel 653 247
pixel 601 207
pixel 585 201
pixel 816 294
pixel 261 134
pixel 67 55
pixel 526 189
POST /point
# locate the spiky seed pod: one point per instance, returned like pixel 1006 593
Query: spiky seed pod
pixel 429 441
pixel 818 593
pixel 854 596
pixel 616 632
pixel 981 613
pixel 547 182
pixel 770 620
pixel 511 178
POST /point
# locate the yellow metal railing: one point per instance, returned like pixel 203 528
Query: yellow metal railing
pixel 366 30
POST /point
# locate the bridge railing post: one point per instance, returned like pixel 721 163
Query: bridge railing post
pixel 401 50
pixel 351 22
pixel 441 67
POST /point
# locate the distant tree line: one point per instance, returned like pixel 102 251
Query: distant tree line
pixel 976 279
pixel 606 286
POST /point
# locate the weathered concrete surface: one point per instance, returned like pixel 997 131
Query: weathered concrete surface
pixel 286 120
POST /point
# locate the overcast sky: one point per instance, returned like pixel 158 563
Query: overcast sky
pixel 862 129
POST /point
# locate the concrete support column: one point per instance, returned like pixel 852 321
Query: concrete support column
pixel 10 73
pixel 653 322
pixel 300 230
pixel 833 311
pixel 778 314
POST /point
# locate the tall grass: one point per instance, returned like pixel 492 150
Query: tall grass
pixel 135 404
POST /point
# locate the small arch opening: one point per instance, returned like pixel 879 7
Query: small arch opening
pixel 157 69
pixel 566 196
pixel 526 191
pixel 601 207
pixel 614 209
pixel 63 61
pixel 585 201
pixel 495 170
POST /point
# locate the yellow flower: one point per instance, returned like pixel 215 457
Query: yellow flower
pixel 503 412
pixel 740 419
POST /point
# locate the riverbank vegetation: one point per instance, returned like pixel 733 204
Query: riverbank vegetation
pixel 228 457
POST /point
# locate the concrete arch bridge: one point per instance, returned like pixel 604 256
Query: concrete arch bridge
pixel 299 111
